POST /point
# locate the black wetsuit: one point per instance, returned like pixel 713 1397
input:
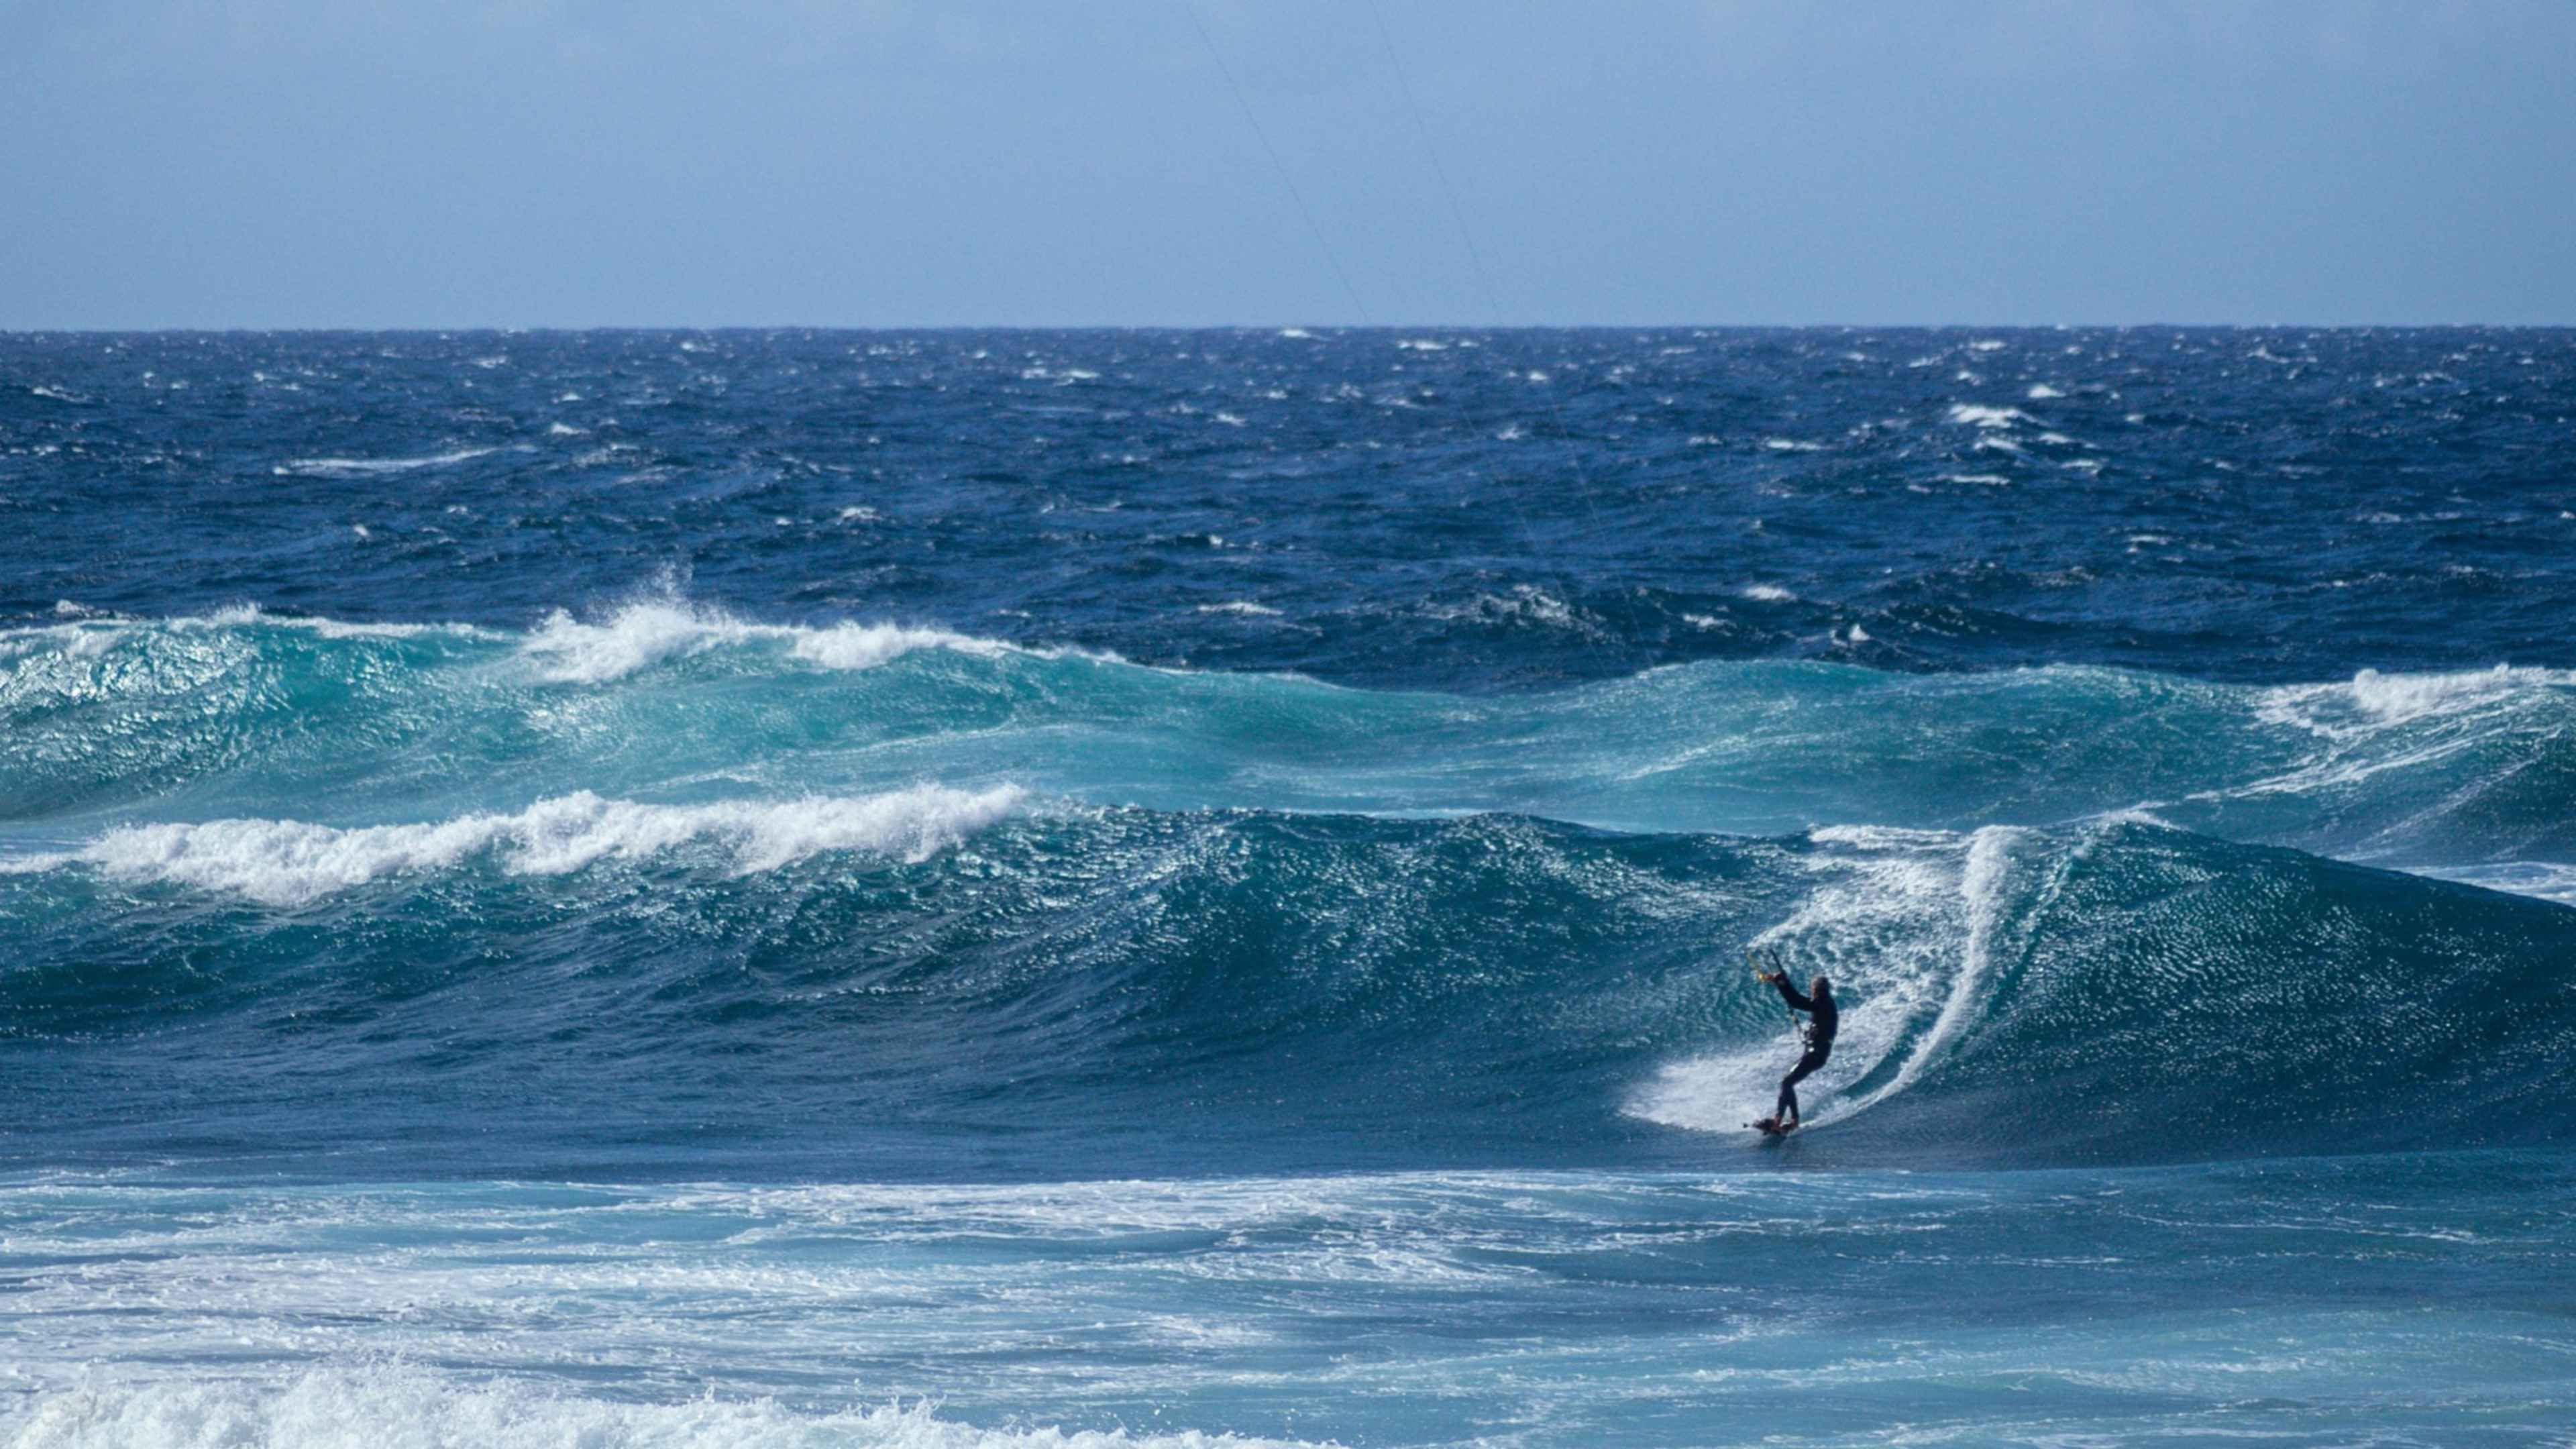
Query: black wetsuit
pixel 1820 1042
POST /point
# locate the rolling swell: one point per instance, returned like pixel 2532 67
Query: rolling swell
pixel 247 714
pixel 1116 990
pixel 667 886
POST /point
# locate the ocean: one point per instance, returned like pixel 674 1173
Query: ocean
pixel 984 888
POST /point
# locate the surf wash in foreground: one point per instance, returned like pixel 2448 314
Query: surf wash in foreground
pixel 1555 1309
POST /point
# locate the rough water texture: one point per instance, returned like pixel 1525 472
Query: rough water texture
pixel 1174 888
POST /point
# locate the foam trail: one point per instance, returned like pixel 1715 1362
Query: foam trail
pixel 1720 1092
pixel 363 467
pixel 1981 889
pixel 401 1408
pixel 93 632
pixel 296 862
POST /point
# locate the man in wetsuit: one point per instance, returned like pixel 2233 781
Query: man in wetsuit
pixel 1818 1003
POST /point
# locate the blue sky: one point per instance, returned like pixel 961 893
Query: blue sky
pixel 294 163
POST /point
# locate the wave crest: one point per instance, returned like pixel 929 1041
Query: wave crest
pixel 296 862
pixel 2427 771
pixel 640 635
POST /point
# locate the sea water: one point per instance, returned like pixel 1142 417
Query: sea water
pixel 1185 887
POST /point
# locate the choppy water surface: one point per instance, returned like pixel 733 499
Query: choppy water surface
pixel 981 887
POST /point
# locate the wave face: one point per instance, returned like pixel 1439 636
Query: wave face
pixel 940 980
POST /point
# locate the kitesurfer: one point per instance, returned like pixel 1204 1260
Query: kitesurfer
pixel 1825 1018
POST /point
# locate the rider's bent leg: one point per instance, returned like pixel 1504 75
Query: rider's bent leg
pixel 1787 1111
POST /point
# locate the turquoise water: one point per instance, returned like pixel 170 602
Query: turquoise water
pixel 2414 1298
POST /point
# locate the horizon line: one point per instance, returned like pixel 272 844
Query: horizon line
pixel 430 329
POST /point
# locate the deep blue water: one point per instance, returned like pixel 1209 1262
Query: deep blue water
pixel 652 888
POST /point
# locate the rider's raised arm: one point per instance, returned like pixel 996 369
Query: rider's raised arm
pixel 1789 993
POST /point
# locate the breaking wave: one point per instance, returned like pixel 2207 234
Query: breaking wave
pixel 295 862
pixel 1311 989
pixel 790 875
pixel 648 633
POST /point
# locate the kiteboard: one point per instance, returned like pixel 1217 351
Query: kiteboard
pixel 1770 1127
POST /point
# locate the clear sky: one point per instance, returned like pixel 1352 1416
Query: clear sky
pixel 299 163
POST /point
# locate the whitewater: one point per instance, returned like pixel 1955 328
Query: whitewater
pixel 1194 888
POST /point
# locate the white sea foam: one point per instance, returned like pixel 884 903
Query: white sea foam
pixel 95 633
pixel 2395 697
pixel 1239 606
pixel 2373 701
pixel 243 615
pixel 1526 603
pixel 2547 880
pixel 1882 837
pixel 1718 1092
pixel 1977 415
pixel 1768 593
pixel 411 1408
pixel 1791 445
pixel 643 634
pixel 2041 392
pixel 296 862
pixel 363 467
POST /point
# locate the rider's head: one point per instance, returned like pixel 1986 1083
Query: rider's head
pixel 1820 987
